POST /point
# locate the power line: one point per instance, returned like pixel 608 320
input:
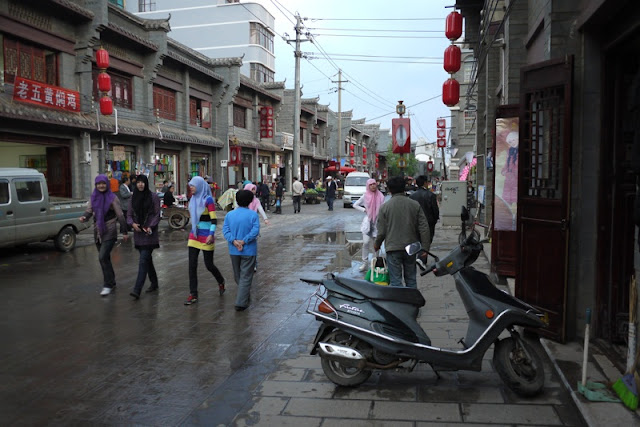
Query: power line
pixel 380 61
pixel 276 3
pixel 379 56
pixel 376 30
pixel 375 19
pixel 409 106
pixel 384 37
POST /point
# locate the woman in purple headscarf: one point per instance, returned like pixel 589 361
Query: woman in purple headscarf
pixel 105 208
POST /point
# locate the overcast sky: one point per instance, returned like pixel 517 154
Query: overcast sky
pixel 407 68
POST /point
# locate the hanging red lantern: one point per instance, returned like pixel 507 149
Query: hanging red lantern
pixel 351 153
pixel 377 155
pixel 451 92
pixel 364 161
pixel 452 57
pixel 453 26
pixel 364 149
pixel 106 106
pixel 102 59
pixel 353 162
pixel 104 82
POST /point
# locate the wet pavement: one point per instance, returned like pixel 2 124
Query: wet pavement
pixel 70 357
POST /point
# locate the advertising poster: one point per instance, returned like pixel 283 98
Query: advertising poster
pixel 506 174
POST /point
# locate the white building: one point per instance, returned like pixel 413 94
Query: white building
pixel 219 29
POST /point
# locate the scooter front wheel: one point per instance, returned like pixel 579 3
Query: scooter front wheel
pixel 344 375
pixel 520 366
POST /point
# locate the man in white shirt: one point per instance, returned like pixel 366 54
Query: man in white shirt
pixel 297 189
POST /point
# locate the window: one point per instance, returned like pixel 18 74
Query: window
pixel 146 5
pixel 164 103
pixel 4 192
pixel 469 121
pixel 467 70
pixel 28 61
pixel 239 116
pixel 121 89
pixel 28 191
pixel 119 3
pixel 261 74
pixel 199 113
pixel 262 36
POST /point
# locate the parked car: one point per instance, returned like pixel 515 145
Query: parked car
pixel 355 185
pixel 28 214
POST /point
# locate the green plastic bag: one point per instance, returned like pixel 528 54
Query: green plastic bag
pixel 378 272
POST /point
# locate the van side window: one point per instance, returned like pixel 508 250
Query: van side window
pixel 4 192
pixel 28 191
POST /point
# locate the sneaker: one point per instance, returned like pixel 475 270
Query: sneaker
pixel 106 291
pixel 191 300
pixel 134 295
pixel 152 289
pixel 363 267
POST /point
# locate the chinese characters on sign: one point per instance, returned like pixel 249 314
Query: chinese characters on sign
pixel 46 95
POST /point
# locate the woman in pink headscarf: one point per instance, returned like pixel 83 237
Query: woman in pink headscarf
pixel 370 203
pixel 256 206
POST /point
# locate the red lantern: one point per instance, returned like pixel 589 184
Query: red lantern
pixel 106 106
pixel 453 26
pixel 364 149
pixel 377 155
pixel 452 57
pixel 102 59
pixel 353 162
pixel 364 161
pixel 104 82
pixel 351 153
pixel 451 92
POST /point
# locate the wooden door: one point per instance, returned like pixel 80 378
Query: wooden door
pixel 58 171
pixel 543 189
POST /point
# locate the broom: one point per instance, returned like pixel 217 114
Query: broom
pixel 626 387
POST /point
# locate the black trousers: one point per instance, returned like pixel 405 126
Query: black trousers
pixel 193 268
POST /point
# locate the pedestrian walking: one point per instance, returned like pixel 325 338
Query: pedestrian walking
pixel 370 203
pixel 332 187
pixel 264 196
pixel 241 228
pixel 255 204
pixel 279 194
pixel 428 201
pixel 297 189
pixel 104 206
pixel 202 209
pixel 143 216
pixel 124 194
pixel 400 223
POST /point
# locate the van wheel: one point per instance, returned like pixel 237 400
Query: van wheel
pixel 66 239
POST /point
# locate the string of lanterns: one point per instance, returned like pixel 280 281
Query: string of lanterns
pixel 452 59
pixel 104 81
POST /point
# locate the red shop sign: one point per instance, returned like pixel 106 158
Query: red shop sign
pixel 46 95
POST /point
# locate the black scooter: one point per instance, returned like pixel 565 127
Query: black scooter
pixel 367 326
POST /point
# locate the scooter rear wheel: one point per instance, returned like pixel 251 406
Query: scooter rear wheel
pixel 344 375
pixel 522 374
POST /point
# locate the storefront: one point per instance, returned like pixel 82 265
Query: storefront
pixel 264 167
pixel 121 160
pixel 200 164
pixel 166 167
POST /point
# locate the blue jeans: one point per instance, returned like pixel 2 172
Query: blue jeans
pixel 243 274
pixel 104 256
pixel 145 267
pixel 400 263
pixel 330 201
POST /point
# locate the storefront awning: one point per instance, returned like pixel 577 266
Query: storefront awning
pixel 343 169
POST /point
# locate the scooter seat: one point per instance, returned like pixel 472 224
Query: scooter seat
pixel 388 293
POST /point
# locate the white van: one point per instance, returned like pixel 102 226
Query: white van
pixel 354 187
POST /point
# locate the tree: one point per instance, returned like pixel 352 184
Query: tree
pixel 392 163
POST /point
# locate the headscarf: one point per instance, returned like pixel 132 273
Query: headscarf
pixel 255 202
pixel 247 182
pixel 373 200
pixel 141 201
pixel 198 201
pixel 101 203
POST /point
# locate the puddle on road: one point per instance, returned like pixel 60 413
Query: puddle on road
pixel 342 258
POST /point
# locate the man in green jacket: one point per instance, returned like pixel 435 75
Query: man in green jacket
pixel 401 222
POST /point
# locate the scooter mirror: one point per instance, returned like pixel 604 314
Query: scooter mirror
pixel 413 248
pixel 464 215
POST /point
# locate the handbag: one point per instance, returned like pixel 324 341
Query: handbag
pixel 277 203
pixel 378 272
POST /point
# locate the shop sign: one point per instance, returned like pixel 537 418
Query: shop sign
pixel 118 153
pixel 46 95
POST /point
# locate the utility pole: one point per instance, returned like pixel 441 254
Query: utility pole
pixel 340 141
pixel 295 167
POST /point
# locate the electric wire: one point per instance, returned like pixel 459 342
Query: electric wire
pixel 276 3
pixel 375 19
pixel 409 106
pixel 379 37
pixel 375 30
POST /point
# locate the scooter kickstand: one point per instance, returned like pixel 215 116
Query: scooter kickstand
pixel 434 371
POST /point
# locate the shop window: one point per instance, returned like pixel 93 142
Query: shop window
pixel 200 113
pixel 146 5
pixel 4 192
pixel 28 191
pixel 259 34
pixel 239 116
pixel 121 89
pixel 164 103
pixel 261 74
pixel 30 62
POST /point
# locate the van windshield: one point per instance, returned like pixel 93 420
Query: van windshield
pixel 356 181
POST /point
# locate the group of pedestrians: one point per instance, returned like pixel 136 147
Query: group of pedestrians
pixel 241 229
